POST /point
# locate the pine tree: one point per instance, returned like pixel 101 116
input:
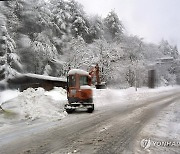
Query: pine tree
pixel 77 54
pixel 80 24
pixel 96 28
pixel 9 60
pixel 3 53
pixel 175 52
pixel 114 27
pixel 168 49
pixel 61 18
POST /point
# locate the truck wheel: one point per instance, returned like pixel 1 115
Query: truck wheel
pixel 90 110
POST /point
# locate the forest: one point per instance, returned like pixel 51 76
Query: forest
pixel 51 37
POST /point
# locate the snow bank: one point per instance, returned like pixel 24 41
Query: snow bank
pixel 166 124
pixel 58 94
pixel 105 97
pixel 33 104
pixel 37 103
pixel 165 127
pixel 8 95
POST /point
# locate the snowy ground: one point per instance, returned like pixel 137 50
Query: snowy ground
pixel 39 105
pixel 162 134
pixel 31 105
pixel 105 97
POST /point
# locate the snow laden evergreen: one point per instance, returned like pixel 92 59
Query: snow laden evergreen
pixel 96 30
pixel 101 54
pixel 80 23
pixel 61 18
pixel 3 55
pixel 8 57
pixel 77 54
pixel 168 49
pixel 113 25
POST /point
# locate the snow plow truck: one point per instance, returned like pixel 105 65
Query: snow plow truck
pixel 79 91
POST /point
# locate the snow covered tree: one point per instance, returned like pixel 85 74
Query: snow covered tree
pixel 80 24
pixel 77 54
pixel 35 35
pixel 61 15
pixel 50 36
pixel 96 28
pixel 3 53
pixel 133 51
pixel 35 17
pixel 42 49
pixel 151 52
pixel 10 60
pixel 175 52
pixel 168 49
pixel 114 27
pixel 61 18
pixel 101 55
pixel 8 57
pixel 47 70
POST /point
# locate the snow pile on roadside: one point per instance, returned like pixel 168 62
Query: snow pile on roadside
pixel 8 95
pixel 105 97
pixel 37 103
pixel 58 94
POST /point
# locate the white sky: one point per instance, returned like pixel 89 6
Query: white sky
pixel 150 19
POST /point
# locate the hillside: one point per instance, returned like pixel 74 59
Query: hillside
pixel 48 37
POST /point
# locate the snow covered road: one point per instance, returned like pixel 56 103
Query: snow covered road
pixel 113 128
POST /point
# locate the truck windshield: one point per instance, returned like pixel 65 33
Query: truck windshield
pixel 71 81
pixel 83 80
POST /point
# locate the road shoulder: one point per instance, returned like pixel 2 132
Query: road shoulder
pixel 161 134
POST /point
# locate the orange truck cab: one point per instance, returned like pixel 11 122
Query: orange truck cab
pixel 79 91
